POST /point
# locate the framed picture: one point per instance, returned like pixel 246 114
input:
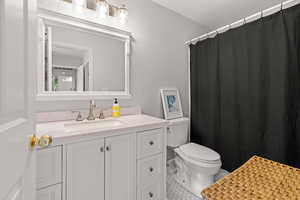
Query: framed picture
pixel 171 103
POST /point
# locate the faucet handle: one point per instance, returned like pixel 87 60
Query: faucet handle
pixel 101 115
pixel 79 116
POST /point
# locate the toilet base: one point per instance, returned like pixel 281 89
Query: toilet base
pixel 192 179
pixel 199 182
pixel 178 186
pixel 194 183
pixel 176 190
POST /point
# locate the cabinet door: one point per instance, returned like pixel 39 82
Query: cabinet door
pixel 120 166
pixel 85 171
pixel 49 167
pixel 49 193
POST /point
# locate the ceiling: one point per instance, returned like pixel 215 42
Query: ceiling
pixel 68 51
pixel 214 14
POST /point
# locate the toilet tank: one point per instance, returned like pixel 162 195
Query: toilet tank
pixel 178 133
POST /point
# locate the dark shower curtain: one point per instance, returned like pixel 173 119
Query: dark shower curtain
pixel 245 91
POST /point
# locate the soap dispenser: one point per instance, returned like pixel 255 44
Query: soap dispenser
pixel 116 108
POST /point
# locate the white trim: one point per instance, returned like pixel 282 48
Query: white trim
pixel 95 28
pixel 68 96
pixel 83 25
pixel 251 18
pixel 127 65
pixel 79 80
pixel 49 56
pixel 12 124
pixel 41 56
pixel 67 67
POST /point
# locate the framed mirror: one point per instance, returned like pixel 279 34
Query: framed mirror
pixel 79 61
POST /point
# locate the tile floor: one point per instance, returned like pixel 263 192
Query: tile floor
pixel 175 191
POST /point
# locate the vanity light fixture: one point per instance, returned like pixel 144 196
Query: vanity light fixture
pixel 123 14
pixel 102 7
pixel 80 3
pixel 105 9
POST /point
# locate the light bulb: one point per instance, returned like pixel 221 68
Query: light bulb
pixel 80 3
pixel 123 14
pixel 102 8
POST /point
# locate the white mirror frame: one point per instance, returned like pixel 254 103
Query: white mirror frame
pixel 57 19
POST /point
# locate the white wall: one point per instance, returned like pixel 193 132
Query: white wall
pixel 159 58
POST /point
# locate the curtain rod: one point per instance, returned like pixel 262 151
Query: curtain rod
pixel 261 14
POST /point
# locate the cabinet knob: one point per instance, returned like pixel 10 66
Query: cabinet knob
pixel 108 148
pixel 151 169
pixel 151 194
pixel 151 143
pixel 101 149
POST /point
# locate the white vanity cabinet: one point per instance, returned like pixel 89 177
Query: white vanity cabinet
pixel 120 168
pixel 49 173
pixel 125 164
pixel 151 165
pixel 85 170
pixel 49 166
pixel 102 169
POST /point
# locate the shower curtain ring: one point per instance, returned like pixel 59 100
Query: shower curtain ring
pixel 245 21
pixel 281 6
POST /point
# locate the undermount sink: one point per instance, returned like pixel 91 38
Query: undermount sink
pixel 91 125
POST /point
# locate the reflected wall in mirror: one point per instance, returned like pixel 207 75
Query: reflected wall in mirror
pixel 70 68
pixel 81 59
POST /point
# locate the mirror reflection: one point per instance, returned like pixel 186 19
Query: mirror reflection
pixel 70 69
pixel 78 60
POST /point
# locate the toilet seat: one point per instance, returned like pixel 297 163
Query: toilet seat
pixel 198 154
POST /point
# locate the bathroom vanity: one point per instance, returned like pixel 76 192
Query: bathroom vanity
pixel 109 159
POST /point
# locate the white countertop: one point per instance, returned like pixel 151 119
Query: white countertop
pixel 130 124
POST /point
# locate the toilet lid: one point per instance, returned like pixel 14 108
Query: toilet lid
pixel 199 153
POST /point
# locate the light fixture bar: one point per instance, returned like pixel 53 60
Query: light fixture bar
pixel 105 9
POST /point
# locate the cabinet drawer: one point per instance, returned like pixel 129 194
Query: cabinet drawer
pixel 49 193
pixel 49 166
pixel 150 170
pixel 150 142
pixel 153 192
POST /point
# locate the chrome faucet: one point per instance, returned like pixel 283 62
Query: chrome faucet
pixel 91 115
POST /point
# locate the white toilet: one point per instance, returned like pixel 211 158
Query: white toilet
pixel 196 165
